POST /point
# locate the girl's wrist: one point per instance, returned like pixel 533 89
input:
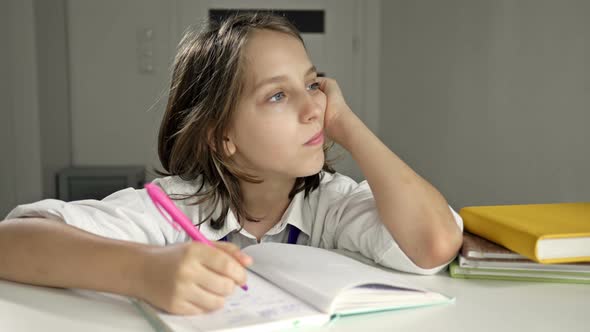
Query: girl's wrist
pixel 141 268
pixel 344 128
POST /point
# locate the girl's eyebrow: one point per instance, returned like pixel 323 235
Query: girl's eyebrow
pixel 281 78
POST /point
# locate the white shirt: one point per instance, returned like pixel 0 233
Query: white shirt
pixel 339 214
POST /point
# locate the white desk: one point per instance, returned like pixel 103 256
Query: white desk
pixel 481 305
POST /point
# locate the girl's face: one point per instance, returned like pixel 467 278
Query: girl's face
pixel 277 128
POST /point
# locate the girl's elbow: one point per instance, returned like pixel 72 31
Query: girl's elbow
pixel 441 249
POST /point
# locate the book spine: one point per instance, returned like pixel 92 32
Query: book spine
pixel 457 272
pixel 502 233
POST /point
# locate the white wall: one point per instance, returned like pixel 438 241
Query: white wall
pixel 116 107
pixel 489 100
pixel 20 173
pixel 53 90
pixel 7 167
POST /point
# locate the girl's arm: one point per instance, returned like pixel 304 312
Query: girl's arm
pixel 187 278
pixel 415 213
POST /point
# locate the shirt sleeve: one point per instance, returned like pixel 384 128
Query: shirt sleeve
pixel 352 223
pixel 124 215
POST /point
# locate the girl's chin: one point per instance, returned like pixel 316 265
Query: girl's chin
pixel 306 174
pixel 312 169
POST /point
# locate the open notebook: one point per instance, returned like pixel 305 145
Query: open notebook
pixel 294 285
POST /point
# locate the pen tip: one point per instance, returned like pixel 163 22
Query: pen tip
pixel 245 287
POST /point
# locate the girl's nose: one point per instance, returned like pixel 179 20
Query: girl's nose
pixel 311 108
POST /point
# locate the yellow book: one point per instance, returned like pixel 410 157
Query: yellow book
pixel 546 233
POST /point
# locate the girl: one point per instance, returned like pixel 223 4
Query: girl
pixel 243 145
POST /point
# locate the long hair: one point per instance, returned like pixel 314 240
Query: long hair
pixel 206 83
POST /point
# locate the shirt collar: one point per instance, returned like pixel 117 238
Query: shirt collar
pixel 230 225
pixel 293 216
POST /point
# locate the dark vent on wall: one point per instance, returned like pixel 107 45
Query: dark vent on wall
pixel 307 21
pixel 77 183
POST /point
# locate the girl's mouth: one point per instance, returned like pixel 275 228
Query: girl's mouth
pixel 316 139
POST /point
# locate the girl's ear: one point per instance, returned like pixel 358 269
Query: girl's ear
pixel 229 146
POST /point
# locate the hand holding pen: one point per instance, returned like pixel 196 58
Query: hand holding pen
pixel 192 277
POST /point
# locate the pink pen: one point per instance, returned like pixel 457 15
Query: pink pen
pixel 162 201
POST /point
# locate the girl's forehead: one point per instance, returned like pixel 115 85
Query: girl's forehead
pixel 270 53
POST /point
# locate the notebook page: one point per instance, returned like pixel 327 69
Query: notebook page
pixel 264 305
pixel 369 298
pixel 317 275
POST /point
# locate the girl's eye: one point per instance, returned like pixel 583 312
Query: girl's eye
pixel 277 97
pixel 314 86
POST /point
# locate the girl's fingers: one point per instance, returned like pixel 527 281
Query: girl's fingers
pixel 215 283
pixel 204 299
pixel 323 82
pixel 226 265
pixel 330 87
pixel 186 308
pixel 235 252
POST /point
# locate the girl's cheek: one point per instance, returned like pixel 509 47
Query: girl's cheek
pixel 321 99
pixel 278 109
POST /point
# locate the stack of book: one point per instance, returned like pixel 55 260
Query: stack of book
pixel 535 242
pixel 482 259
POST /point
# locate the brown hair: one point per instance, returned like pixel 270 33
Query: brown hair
pixel 206 83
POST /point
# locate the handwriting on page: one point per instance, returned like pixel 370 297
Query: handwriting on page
pixel 262 303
